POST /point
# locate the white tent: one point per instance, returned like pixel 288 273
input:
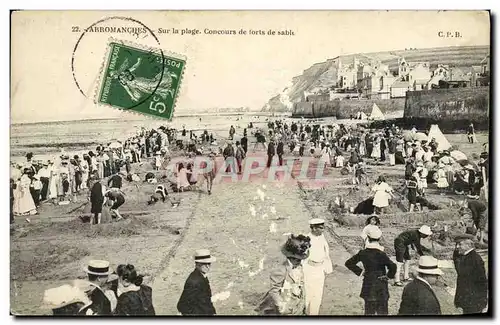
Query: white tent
pixel 362 116
pixel 376 113
pixel 435 132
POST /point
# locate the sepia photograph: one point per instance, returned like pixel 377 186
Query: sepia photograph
pixel 250 163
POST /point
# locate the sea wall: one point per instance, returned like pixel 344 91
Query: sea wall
pixel 344 108
pixel 453 104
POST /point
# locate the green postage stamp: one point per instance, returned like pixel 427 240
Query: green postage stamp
pixel 140 79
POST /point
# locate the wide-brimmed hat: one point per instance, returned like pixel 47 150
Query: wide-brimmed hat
pixel 203 256
pixel 426 230
pixel 428 265
pixel 97 267
pixel 64 295
pixel 297 247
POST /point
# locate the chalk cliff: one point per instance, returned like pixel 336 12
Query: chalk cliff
pixel 324 75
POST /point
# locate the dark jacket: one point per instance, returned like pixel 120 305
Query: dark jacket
pixel 271 149
pixel 100 303
pixel 472 284
pixel 136 302
pixel 410 237
pixel 196 298
pixel 96 198
pixel 279 150
pixel 115 181
pixel 375 263
pixel 419 299
pixel 228 152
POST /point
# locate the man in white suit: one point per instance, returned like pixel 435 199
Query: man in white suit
pixel 316 266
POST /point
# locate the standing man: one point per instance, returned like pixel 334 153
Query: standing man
pixel 402 249
pixel 240 156
pixel 280 151
pixel 96 200
pixel 232 131
pixel 196 298
pixel 316 266
pixel 377 269
pixel 472 284
pixel 228 154
pixel 418 297
pixel 393 142
pixel 244 141
pixel 470 133
pixel 44 174
pixel 271 151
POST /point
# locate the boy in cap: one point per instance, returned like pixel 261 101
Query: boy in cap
pixel 418 297
pixel 377 269
pixel 316 266
pixel 401 246
pixel 196 298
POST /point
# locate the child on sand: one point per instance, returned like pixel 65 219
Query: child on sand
pixel 442 181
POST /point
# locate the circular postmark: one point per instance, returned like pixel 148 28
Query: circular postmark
pixel 126 74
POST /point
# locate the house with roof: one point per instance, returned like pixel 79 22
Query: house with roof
pixel 485 64
pixel 419 70
pixel 399 88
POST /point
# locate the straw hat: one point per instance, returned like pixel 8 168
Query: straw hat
pixel 203 256
pixel 97 267
pixel 64 295
pixel 426 230
pixel 428 265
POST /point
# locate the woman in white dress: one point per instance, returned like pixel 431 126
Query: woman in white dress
pixel 326 155
pixel 23 201
pixel 442 180
pixel 376 149
pixel 85 173
pixel 182 181
pixel 54 180
pixel 422 173
pixel 382 193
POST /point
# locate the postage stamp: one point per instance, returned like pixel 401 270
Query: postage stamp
pixel 140 79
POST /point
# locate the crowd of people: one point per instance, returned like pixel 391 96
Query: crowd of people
pixel 297 284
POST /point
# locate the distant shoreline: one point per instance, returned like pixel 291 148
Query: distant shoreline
pixel 137 119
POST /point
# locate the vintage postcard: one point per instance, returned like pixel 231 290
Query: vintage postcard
pixel 250 163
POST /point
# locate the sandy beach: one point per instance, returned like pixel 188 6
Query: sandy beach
pixel 242 223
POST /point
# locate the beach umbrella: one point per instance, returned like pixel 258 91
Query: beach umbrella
pixel 408 136
pixel 458 155
pixel 419 136
pixel 115 144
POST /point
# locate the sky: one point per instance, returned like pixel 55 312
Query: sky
pixel 222 70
